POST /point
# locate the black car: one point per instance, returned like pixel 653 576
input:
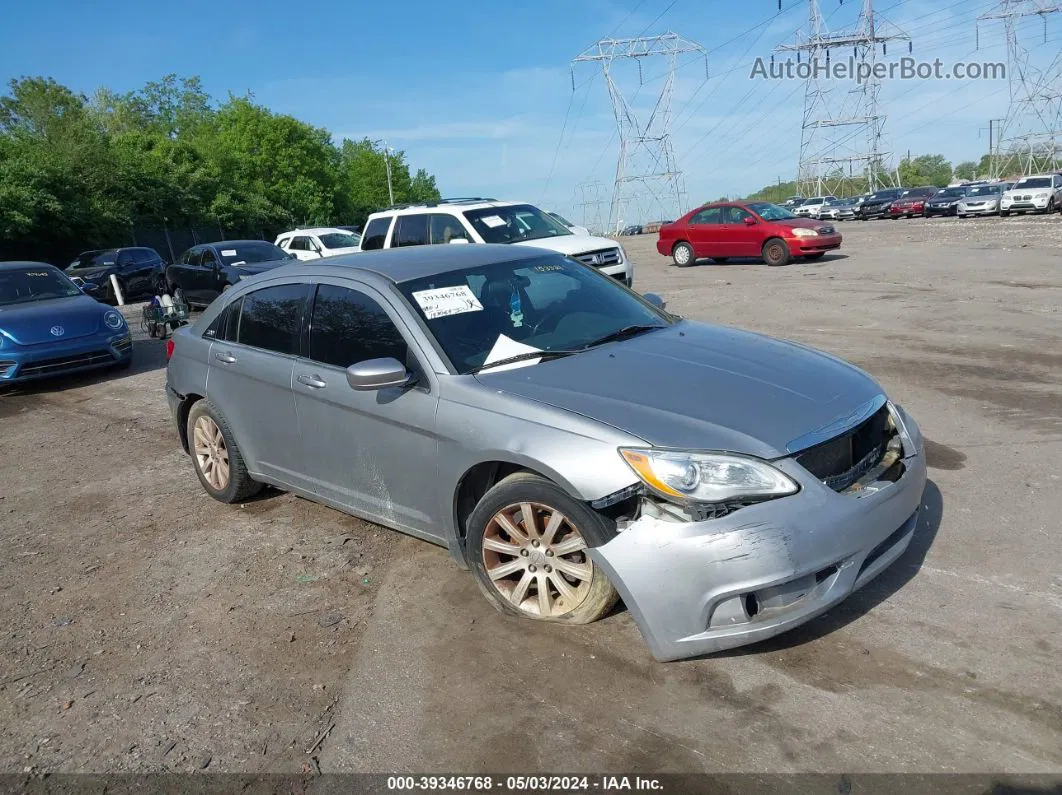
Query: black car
pixel 877 203
pixel 946 201
pixel 203 272
pixel 139 270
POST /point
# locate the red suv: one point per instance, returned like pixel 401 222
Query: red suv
pixel 745 229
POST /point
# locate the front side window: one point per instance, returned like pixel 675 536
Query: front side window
pixel 411 230
pixel 375 233
pixel 300 244
pixel 208 259
pixel 514 223
pixel 736 215
pixel 444 228
pixel 348 327
pixel 550 303
pixel 271 318
pixel 34 283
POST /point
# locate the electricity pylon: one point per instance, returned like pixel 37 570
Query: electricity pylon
pixel 1031 134
pixel 591 202
pixel 843 126
pixel 646 157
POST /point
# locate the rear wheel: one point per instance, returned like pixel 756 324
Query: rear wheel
pixel 682 254
pixel 527 542
pixel 216 456
pixel 775 252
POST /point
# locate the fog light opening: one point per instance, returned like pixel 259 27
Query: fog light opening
pixel 752 605
pixel 825 574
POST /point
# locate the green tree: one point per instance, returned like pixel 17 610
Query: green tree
pixel 966 170
pixel 925 170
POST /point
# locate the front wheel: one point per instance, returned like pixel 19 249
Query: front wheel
pixel 527 543
pixel 682 254
pixel 1004 213
pixel 775 252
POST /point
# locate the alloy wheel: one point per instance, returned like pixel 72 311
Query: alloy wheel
pixel 536 559
pixel 211 453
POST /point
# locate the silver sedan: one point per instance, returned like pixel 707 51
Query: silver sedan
pixel 569 441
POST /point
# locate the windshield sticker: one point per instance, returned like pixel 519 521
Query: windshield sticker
pixel 493 221
pixel 229 252
pixel 548 268
pixel 506 348
pixel 445 301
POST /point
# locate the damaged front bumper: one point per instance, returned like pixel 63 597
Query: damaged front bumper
pixel 700 587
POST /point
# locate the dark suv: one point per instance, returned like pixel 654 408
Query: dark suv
pixel 877 203
pixel 139 270
pixel 204 272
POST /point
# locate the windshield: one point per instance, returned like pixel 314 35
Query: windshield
pixel 562 219
pixel 94 259
pixel 340 240
pixel 1033 182
pixel 34 283
pixel 984 190
pixel 515 223
pixel 770 212
pixel 882 195
pixel 505 309
pixel 951 193
pixel 249 253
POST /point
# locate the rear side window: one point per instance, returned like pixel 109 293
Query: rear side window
pixel 445 228
pixel 411 230
pixel 713 215
pixel 350 327
pixel 271 318
pixel 226 325
pixel 375 233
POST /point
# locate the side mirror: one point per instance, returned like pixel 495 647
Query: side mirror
pixel 459 241
pixel 374 374
pixel 655 300
pixel 750 221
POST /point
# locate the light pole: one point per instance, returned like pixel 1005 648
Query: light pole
pixel 387 164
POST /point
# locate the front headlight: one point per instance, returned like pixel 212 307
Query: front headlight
pixel 799 231
pixel 707 477
pixel 113 320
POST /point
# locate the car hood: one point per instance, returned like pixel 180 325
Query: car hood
pixel 806 223
pixel 1023 191
pixel 32 323
pixel 335 252
pixel 91 274
pixel 570 244
pixel 695 386
pixel 249 269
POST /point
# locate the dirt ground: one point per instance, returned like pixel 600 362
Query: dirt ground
pixel 146 627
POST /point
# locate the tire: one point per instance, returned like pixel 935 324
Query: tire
pixel 233 485
pixel 720 260
pixel 1004 213
pixel 1050 206
pixel 815 256
pixel 682 254
pixel 775 252
pixel 511 581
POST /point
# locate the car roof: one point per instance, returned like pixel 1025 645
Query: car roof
pixel 315 230
pixel 415 262
pixel 18 264
pixel 457 205
pixel 231 243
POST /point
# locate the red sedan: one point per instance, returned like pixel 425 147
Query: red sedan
pixel 745 229
pixel 912 202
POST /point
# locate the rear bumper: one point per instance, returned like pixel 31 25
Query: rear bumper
pixel 701 587
pixel 96 352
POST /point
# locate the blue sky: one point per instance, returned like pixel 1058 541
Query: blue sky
pixel 478 92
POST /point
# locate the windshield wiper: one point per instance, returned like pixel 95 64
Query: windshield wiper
pixel 624 333
pixel 523 357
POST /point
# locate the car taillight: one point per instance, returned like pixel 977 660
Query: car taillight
pixel 169 348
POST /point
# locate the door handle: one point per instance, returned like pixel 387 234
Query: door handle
pixel 312 381
pixel 228 358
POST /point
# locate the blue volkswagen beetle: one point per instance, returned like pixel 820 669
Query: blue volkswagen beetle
pixel 49 327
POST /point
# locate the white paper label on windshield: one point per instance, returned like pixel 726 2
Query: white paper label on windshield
pixel 506 348
pixel 493 221
pixel 229 252
pixel 444 301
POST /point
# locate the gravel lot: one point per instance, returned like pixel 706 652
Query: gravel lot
pixel 146 627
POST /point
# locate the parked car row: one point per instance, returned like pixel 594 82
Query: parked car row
pixel 1040 193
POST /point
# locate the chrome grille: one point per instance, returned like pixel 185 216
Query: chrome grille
pixel 49 366
pixel 600 258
